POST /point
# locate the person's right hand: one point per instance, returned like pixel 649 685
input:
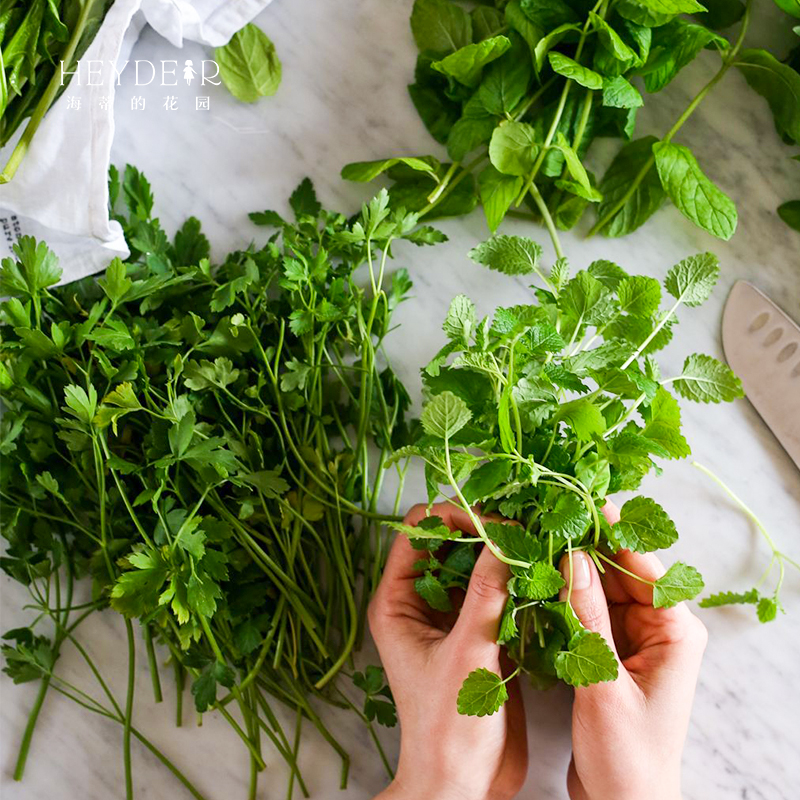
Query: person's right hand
pixel 628 735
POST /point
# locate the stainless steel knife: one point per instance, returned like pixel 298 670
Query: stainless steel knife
pixel 762 345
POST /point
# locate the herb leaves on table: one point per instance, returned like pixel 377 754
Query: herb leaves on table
pixel 206 443
pixel 519 91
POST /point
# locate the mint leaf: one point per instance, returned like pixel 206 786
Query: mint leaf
pixel 639 296
pixel 664 425
pixel 249 65
pixel 568 518
pixel 460 320
pixel 569 68
pixel 497 193
pixel 588 660
pixel 486 479
pixel 691 281
pixel 483 692
pixel 513 541
pixel 680 582
pixel 767 609
pixel 644 526
pixel 584 300
pixel 508 625
pixel 440 26
pixel 619 93
pixel 513 148
pixel 431 590
pixel 585 419
pixel 646 199
pixel 466 64
pixel 679 42
pixel 778 84
pixel 730 598
pixel 363 171
pixel 612 40
pixel 444 415
pixel 540 582
pixel 706 380
pixel 512 255
pixel 696 197
pixel 672 6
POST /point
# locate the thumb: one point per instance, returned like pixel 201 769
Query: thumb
pixel 588 600
pixel 485 601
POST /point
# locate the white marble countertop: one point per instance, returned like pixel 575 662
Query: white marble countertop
pixel 343 98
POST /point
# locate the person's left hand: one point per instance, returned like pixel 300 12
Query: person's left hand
pixel 427 655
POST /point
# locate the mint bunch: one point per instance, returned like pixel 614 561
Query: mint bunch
pixel 539 414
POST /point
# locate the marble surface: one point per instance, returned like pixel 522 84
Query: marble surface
pixel 343 98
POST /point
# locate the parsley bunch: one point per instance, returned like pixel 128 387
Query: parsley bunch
pixel 518 91
pixel 207 445
pixel 538 414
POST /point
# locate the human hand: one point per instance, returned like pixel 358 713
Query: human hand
pixel 427 655
pixel 628 735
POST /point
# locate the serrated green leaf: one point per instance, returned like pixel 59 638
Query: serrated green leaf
pixel 730 598
pixel 706 380
pixel 680 582
pixel 695 196
pixel 691 281
pixel 431 590
pixel 568 518
pixel 644 526
pixel 540 582
pixel 511 255
pixel 588 660
pixel 483 692
pixel 645 200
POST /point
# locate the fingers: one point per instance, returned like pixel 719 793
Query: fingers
pixel 610 512
pixel 646 565
pixel 588 600
pixel 484 603
pixel 396 595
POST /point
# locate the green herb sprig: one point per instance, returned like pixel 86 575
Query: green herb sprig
pixel 538 415
pixel 518 92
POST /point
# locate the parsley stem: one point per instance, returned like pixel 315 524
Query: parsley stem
pixel 152 662
pixel 126 735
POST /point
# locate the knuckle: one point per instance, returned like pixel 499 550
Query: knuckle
pixel 486 587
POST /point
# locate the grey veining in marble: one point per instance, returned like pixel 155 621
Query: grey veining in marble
pixel 343 98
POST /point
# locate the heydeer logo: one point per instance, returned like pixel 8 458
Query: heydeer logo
pixel 93 72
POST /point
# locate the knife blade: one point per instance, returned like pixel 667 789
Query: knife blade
pixel 762 345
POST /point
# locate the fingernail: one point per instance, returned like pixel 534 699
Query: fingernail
pixel 581 572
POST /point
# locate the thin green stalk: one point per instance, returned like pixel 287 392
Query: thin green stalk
pixel 126 735
pixel 152 663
